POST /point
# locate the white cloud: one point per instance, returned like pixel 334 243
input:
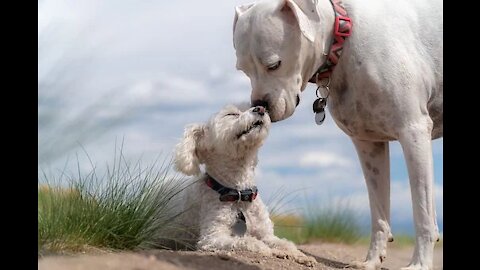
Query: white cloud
pixel 169 89
pixel 324 159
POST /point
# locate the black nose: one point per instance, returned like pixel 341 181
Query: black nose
pixel 259 109
pixel 262 103
pixel 298 101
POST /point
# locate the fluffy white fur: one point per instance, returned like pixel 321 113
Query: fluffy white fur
pixel 388 85
pixel 230 158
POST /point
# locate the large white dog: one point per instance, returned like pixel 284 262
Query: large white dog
pixel 387 85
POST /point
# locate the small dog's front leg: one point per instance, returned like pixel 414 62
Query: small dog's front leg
pixel 283 248
pixel 226 242
pixel 216 234
pixel 261 226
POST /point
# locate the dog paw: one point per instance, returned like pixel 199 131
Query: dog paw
pixel 264 252
pixel 305 260
pixel 281 244
pixel 366 265
pixel 257 246
pixel 296 256
pixel 415 267
pixel 279 253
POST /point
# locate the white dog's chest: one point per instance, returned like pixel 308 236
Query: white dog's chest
pixel 368 118
pixel 357 128
pixel 371 111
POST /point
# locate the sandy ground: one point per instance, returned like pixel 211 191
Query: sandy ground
pixel 329 256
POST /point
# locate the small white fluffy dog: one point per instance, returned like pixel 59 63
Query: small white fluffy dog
pixel 227 145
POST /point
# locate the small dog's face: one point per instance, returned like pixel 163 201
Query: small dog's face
pixel 231 133
pixel 234 127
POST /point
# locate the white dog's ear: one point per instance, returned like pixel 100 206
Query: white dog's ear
pixel 305 11
pixel 186 157
pixel 239 10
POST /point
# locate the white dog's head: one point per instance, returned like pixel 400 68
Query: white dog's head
pixel 232 134
pixel 275 43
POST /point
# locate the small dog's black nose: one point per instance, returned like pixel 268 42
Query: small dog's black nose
pixel 259 102
pixel 259 109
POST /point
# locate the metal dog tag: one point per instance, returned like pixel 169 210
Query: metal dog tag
pixel 240 226
pixel 319 110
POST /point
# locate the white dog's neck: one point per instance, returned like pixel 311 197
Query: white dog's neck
pixel 238 174
pixel 323 38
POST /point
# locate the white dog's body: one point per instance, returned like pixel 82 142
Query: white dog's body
pixel 228 146
pixel 387 85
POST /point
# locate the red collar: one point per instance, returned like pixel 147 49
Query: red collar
pixel 342 29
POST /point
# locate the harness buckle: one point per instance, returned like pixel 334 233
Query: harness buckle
pixel 347 31
pixel 248 196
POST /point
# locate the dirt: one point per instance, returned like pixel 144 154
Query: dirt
pixel 329 256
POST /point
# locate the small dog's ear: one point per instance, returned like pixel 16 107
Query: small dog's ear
pixel 186 158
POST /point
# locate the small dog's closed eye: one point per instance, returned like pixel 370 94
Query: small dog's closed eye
pixel 223 204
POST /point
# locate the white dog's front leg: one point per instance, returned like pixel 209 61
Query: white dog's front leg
pixel 417 148
pixel 375 162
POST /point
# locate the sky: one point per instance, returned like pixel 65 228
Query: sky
pixel 139 71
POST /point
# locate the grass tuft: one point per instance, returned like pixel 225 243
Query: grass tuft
pixel 330 223
pixel 335 223
pixel 128 207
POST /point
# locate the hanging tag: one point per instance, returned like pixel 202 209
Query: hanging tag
pixel 240 226
pixel 319 110
pixel 319 118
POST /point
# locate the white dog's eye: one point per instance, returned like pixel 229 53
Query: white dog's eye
pixel 274 66
pixel 234 114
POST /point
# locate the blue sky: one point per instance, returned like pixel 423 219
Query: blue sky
pixel 140 71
